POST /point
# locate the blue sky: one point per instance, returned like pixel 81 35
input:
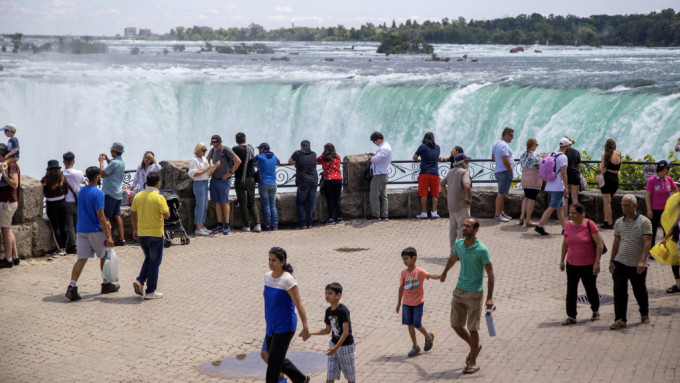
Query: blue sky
pixel 96 17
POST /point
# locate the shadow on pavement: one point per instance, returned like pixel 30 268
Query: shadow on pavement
pixel 60 298
pixel 126 300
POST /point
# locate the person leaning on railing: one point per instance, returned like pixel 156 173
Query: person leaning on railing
pixel 610 164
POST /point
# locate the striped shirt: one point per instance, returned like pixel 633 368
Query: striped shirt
pixel 631 233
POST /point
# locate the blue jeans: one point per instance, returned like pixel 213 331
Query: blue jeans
pixel 201 194
pixel 306 192
pixel 153 255
pixel 268 200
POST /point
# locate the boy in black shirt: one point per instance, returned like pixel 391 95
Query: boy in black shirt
pixel 341 351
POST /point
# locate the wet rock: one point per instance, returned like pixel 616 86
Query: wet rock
pixel 515 50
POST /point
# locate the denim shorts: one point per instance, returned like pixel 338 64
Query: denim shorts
pixel 111 206
pixel 504 179
pixel 556 199
pixel 219 190
pixel 412 315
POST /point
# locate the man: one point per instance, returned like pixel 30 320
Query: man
pixel 632 241
pixel 94 232
pixel 112 186
pixel 245 183
pixel 457 187
pixel 224 163
pixel 557 188
pixel 502 155
pixel 304 161
pixel 75 180
pixel 148 210
pixel 9 195
pixel 380 163
pixel 573 175
pixel 466 305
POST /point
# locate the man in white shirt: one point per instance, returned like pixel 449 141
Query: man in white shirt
pixel 380 163
pixel 556 187
pixel 501 154
pixel 75 180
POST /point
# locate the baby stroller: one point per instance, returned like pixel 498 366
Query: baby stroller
pixel 173 224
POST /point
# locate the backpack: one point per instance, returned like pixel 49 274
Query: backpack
pixel 548 168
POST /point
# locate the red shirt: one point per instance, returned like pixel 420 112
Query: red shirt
pixel 581 247
pixel 7 193
pixel 331 169
pixel 414 294
pixel 661 190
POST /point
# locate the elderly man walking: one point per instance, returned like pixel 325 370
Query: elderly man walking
pixel 112 186
pixel 632 241
pixel 466 305
pixel 457 188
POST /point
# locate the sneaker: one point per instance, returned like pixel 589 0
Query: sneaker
pixel 500 218
pixel 257 228
pixel 275 228
pixel 339 221
pixel 283 380
pixel 384 219
pixel 619 324
pixel 154 295
pixel 266 228
pixel 414 351
pixel 225 229
pixel 606 226
pixel 506 216
pixel 540 230
pixel 422 215
pixel 120 242
pixel 16 261
pixel 62 252
pixel 108 288
pixel 139 287
pixel 201 233
pixel 245 229
pixel 371 218
pixel 57 252
pixel 644 319
pixel 308 379
pixel 300 227
pixel 217 228
pixel 329 221
pixel 5 264
pixel 429 342
pixel 72 293
pixel 434 215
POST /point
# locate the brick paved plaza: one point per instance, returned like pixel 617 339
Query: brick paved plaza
pixel 213 309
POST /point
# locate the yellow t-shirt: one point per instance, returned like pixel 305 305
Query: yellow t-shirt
pixel 150 207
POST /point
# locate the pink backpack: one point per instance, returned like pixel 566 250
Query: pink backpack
pixel 548 168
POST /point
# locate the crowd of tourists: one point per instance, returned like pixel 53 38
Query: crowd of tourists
pixel 84 209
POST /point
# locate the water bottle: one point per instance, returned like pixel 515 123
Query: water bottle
pixel 489 322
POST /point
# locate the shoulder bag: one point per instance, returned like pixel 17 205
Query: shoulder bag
pixel 604 247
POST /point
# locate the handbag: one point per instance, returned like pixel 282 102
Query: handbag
pixel 604 247
pixel 110 269
pixel 600 179
pixel 368 173
pixel 257 176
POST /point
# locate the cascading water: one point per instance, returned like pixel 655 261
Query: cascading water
pixel 168 103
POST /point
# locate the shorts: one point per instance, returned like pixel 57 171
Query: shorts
pixel 111 206
pixel 342 360
pixel 611 183
pixel 574 179
pixel 466 308
pixel 87 244
pixel 7 210
pixel 219 190
pixel 556 199
pixel 412 315
pixel 531 194
pixel 428 182
pixel 504 179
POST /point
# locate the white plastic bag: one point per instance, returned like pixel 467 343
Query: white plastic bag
pixel 110 269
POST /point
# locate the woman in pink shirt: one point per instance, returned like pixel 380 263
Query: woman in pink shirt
pixel 582 246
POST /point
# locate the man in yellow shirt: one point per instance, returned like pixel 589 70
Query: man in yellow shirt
pixel 149 208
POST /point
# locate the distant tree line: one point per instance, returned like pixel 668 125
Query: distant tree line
pixel 660 29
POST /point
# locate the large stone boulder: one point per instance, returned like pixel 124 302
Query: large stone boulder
pixel 175 176
pixel 353 171
pixel 34 239
pixel 30 206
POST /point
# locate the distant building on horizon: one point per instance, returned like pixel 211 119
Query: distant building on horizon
pixel 130 32
pixel 144 33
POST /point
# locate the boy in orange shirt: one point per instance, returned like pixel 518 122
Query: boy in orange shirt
pixel 411 290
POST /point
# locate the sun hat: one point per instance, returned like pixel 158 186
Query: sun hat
pixel 53 164
pixel 118 147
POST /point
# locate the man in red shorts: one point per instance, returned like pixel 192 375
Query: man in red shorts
pixel 428 180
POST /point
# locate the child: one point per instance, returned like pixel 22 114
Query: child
pixel 341 351
pixel 12 143
pixel 411 289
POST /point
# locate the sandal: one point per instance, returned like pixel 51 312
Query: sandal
pixel 470 370
pixel 467 360
pixel 596 316
pixel 568 321
pixel 673 289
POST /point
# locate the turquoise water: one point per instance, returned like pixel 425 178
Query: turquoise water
pixel 167 103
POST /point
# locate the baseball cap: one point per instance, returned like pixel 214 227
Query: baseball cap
pixel 214 140
pixel 661 165
pixel 264 146
pixel 11 127
pixel 564 141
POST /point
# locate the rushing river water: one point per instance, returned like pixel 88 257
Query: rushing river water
pixel 168 103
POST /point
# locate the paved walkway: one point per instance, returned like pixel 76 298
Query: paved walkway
pixel 213 309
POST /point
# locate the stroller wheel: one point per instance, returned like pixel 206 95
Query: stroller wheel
pixel 171 234
pixel 185 240
pixel 167 243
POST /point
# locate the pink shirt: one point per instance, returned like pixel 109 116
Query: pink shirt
pixel 581 247
pixel 661 191
pixel 414 294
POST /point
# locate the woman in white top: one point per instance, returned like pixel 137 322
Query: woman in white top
pixel 147 166
pixel 199 171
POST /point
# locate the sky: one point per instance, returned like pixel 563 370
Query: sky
pixel 98 17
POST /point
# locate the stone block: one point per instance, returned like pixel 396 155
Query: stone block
pixel 43 241
pixel 354 205
pixel 287 208
pixel 30 206
pixel 175 176
pixel 353 173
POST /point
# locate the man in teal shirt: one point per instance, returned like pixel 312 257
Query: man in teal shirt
pixel 466 305
pixel 112 186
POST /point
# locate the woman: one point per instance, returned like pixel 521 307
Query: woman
pixel 531 182
pixel 281 297
pixel 455 151
pixel 147 166
pixel 658 190
pixel 582 245
pixel 266 165
pixel 330 163
pixel 55 190
pixel 199 171
pixel 673 234
pixel 573 172
pixel 610 163
pixel 428 179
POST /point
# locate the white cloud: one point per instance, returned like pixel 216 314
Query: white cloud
pixel 286 9
pixel 214 11
pixel 14 7
pixel 63 3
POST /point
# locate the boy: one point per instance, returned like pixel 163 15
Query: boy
pixel 12 143
pixel 411 289
pixel 341 351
